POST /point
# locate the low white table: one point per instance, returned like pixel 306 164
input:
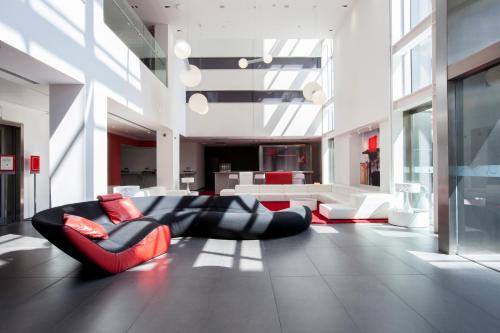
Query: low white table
pixel 308 202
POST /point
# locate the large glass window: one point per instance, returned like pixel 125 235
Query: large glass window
pixel 477 170
pixel 418 167
pixel 412 70
pixel 407 14
pixel 419 10
pixel 421 65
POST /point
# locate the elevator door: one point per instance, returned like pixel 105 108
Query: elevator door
pixel 478 166
pixel 10 183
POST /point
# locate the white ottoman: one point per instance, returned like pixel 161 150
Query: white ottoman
pixel 227 192
pixel 308 202
pixel 337 211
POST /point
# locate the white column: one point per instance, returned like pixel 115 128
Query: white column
pixel 67 144
pixel 78 143
pixel 167 158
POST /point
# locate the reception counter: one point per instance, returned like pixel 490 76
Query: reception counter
pixel 229 179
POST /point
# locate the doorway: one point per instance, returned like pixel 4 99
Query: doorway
pixel 10 181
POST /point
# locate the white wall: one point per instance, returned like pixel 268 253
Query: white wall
pixel 71 37
pixel 256 120
pixel 362 88
pixel 29 105
pixel 192 154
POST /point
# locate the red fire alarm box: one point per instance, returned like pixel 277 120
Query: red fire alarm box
pixel 8 163
pixel 34 164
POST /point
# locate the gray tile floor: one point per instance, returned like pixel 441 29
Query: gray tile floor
pixel 340 278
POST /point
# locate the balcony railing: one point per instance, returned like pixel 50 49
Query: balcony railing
pixel 125 23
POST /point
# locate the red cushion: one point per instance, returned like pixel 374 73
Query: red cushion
pixel 279 178
pixel 120 210
pixel 109 197
pixel 85 227
pixel 154 244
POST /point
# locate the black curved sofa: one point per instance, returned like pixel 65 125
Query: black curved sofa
pixel 133 242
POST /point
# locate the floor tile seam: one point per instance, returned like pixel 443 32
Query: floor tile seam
pixel 83 302
pixel 344 306
pixel 154 296
pixel 275 301
pixel 446 287
pixel 405 302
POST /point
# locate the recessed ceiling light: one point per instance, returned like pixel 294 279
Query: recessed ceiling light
pixel 345 6
pixel 134 6
pixel 222 6
pixel 179 30
pixel 274 5
pixel 286 6
pixel 167 6
pixel 330 30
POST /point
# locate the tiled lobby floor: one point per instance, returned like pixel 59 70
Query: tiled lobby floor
pixel 340 278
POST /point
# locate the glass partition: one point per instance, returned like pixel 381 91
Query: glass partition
pixel 477 170
pixel 119 17
pixel 285 157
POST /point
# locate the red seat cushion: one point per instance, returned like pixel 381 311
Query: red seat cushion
pixel 152 245
pixel 85 227
pixel 119 209
pixel 279 178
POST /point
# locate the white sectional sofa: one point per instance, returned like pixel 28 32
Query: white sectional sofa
pixel 338 201
pixel 135 191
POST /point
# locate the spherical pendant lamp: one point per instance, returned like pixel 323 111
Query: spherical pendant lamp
pixel 309 89
pixel 192 77
pixel 319 97
pixel 267 58
pixel 198 103
pixel 243 63
pixel 182 49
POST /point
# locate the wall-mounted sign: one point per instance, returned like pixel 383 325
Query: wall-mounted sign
pixel 7 163
pixel 34 164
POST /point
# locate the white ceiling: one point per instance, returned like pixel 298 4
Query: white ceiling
pixel 122 127
pixel 246 19
pixel 225 141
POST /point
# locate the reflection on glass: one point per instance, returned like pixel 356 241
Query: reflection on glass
pixel 125 23
pixel 421 65
pixel 418 167
pixel 419 10
pixel 478 163
pixel 286 157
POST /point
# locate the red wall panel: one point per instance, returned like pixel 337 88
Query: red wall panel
pixel 114 154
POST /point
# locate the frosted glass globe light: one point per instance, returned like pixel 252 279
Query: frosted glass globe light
pixel 319 97
pixel 309 89
pixel 182 49
pixel 243 63
pixel 493 76
pixel 192 77
pixel 198 103
pixel 268 58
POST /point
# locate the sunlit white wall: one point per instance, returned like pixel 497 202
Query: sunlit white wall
pixel 266 119
pixel 362 95
pixel 72 38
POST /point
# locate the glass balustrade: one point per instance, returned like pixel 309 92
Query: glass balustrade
pixel 125 23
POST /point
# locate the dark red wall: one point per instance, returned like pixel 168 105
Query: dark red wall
pixel 115 143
